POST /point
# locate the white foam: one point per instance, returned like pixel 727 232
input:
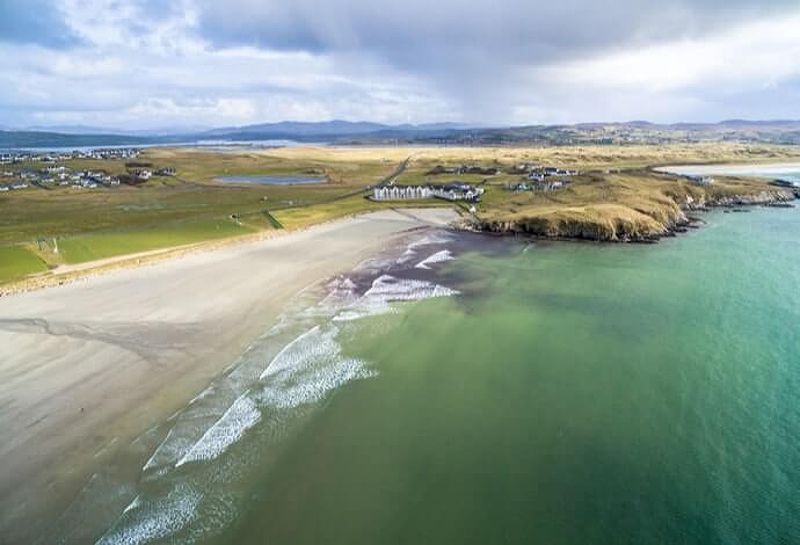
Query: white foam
pixel 427 240
pixel 167 450
pixel 308 368
pixel 154 520
pixel 387 289
pixel 205 409
pixel 133 505
pixel 314 386
pixel 341 285
pixel 240 417
pixel 311 343
pixel 438 257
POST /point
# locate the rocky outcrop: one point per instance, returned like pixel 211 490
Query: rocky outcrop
pixel 610 222
pixel 716 201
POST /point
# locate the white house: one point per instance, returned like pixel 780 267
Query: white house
pixel 402 193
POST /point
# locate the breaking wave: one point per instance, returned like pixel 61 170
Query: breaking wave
pixel 308 368
pixel 241 416
pixel 387 289
pixel 163 518
pixel 432 239
pixel 438 257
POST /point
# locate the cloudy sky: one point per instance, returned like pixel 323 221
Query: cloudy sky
pixel 145 64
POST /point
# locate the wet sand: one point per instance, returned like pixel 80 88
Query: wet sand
pixel 85 366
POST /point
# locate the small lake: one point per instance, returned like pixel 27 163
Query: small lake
pixel 272 180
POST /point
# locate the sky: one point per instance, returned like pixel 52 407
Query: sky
pixel 189 64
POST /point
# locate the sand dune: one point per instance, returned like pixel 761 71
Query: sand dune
pixel 87 365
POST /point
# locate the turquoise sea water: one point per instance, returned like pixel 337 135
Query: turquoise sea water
pixel 571 394
pixel 466 389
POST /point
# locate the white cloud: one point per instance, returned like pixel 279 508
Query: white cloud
pixel 144 63
pixel 756 54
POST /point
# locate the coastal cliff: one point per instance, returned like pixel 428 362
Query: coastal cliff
pixel 658 210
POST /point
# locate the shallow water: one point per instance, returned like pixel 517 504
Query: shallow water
pixel 466 389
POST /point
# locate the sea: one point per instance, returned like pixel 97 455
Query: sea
pixel 461 388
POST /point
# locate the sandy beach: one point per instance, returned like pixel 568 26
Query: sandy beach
pixel 765 170
pixel 87 365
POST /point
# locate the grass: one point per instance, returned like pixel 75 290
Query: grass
pixel 172 211
pixel 17 262
pixel 638 204
pixel 90 247
pixel 297 218
pixel 273 220
pixel 341 169
pixel 615 191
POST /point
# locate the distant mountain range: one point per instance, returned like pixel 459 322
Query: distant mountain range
pixel 327 130
pixel 88 129
pixel 363 132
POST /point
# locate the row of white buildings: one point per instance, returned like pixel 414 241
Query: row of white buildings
pixel 449 192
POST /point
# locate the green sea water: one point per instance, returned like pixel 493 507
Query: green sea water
pixel 467 389
pixel 571 394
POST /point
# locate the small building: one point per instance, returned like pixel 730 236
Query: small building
pixel 143 174
pixel 536 176
pixel 522 186
pixel 701 180
pixel 550 185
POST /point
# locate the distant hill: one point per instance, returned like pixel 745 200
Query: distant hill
pixel 38 139
pixel 294 130
pixel 299 128
pixel 364 132
pixel 88 129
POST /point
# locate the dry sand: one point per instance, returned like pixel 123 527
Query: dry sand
pixel 86 365
pixel 766 170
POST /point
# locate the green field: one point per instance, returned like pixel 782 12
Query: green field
pixel 17 262
pixel 90 247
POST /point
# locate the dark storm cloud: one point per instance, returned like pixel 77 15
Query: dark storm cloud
pixel 474 34
pixel 34 22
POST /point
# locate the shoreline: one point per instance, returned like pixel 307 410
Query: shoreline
pixel 68 274
pixel 92 364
